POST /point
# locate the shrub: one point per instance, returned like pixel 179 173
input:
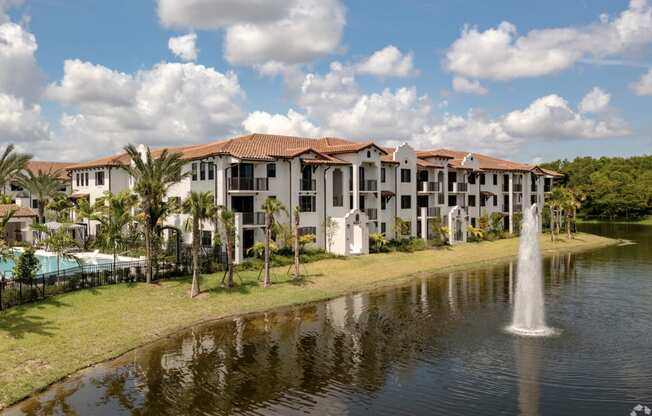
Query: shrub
pixel 27 265
pixel 377 243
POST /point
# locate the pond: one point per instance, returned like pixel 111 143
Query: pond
pixel 435 346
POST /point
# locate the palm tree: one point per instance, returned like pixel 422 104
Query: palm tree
pixel 227 220
pixel 84 211
pixel 114 213
pixel 4 221
pixel 11 164
pixel 62 206
pixel 152 178
pixel 296 242
pixel 200 207
pixel 554 204
pixel 271 207
pixel 60 242
pixel 43 184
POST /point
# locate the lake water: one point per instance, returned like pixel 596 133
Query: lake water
pixel 433 347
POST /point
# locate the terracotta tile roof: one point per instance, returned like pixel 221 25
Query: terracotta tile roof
pixel 19 212
pixel 551 172
pixel 440 153
pixel 425 164
pixel 35 166
pixel 485 162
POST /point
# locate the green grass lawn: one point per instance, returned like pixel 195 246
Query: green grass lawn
pixel 43 342
pixel 645 221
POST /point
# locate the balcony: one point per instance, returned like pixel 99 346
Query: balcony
pixel 338 200
pixel 370 185
pixel 428 187
pixel 505 187
pixel 308 185
pixel 431 212
pixel 253 219
pixel 518 187
pixel 372 213
pixel 457 187
pixel 248 184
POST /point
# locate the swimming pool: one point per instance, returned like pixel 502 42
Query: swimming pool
pixel 48 264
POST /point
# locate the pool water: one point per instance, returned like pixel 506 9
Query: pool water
pixel 48 264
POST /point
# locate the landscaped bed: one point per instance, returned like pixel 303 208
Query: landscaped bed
pixel 41 343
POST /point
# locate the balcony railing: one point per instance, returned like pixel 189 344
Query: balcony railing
pixel 338 200
pixel 458 187
pixel 370 185
pixel 431 212
pixel 518 187
pixel 372 213
pixel 505 187
pixel 248 184
pixel 253 218
pixel 504 208
pixel 308 185
pixel 429 187
pixel 518 207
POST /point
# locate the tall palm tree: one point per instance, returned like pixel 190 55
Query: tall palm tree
pixel 296 242
pixel 271 207
pixel 200 207
pixel 43 184
pixel 114 213
pixel 60 242
pixel 11 164
pixel 554 203
pixel 61 206
pixel 227 221
pixel 152 178
pixel 84 211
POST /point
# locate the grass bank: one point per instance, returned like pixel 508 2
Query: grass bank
pixel 42 343
pixel 644 221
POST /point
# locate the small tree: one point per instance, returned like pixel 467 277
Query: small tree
pixel 61 243
pixel 378 242
pixel 227 220
pixel 401 228
pixel 271 207
pixel 26 267
pixel 199 206
pixel 330 228
pixel 62 207
pixel 297 248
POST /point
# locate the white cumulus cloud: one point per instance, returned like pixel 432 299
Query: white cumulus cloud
pixel 19 72
pixel 185 46
pixel 461 84
pixel 500 53
pixel 21 123
pixel 389 61
pixel 596 101
pixel 292 124
pixel 644 85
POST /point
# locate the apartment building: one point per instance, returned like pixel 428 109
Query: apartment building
pixel 345 190
pixel 23 197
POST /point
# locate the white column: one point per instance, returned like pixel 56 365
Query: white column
pixel 356 186
pixel 424 223
pixel 238 256
pixel 511 202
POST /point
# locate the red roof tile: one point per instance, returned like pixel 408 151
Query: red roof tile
pixel 19 212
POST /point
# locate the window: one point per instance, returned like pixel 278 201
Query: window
pixel 483 201
pixel 86 178
pixel 34 204
pixel 406 175
pixel 472 222
pixel 14 187
pixel 307 203
pixel 211 171
pixel 482 179
pixel 271 170
pixel 383 227
pixel 533 199
pixel 495 200
pixel 202 171
pixel 452 200
pixel 338 191
pixel 471 200
pixel 99 178
pixel 368 154
pixel 382 175
pixel 194 171
pixel 206 238
pixel 472 179
pixel 77 180
pixel 406 202
pixel 307 231
pixel 383 203
pixel 495 179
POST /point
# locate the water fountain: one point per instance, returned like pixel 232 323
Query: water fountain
pixel 529 317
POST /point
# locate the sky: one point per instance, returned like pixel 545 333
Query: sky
pixel 528 81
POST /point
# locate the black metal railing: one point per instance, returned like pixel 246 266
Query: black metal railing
pixel 308 185
pixel 433 212
pixel 458 187
pixel 372 213
pixel 506 187
pixel 428 187
pixel 43 286
pixel 370 185
pixel 247 183
pixel 518 187
pixel 253 218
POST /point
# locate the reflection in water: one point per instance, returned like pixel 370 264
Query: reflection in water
pixel 435 346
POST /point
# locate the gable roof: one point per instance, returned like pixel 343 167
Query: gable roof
pixel 19 212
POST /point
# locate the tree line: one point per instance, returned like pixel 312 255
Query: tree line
pixel 612 187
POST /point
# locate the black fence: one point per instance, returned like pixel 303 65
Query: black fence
pixel 43 286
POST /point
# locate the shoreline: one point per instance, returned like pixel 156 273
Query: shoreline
pixel 328 283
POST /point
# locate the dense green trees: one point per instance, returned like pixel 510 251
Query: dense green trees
pixel 615 188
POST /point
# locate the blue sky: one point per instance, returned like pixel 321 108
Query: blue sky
pixel 520 93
